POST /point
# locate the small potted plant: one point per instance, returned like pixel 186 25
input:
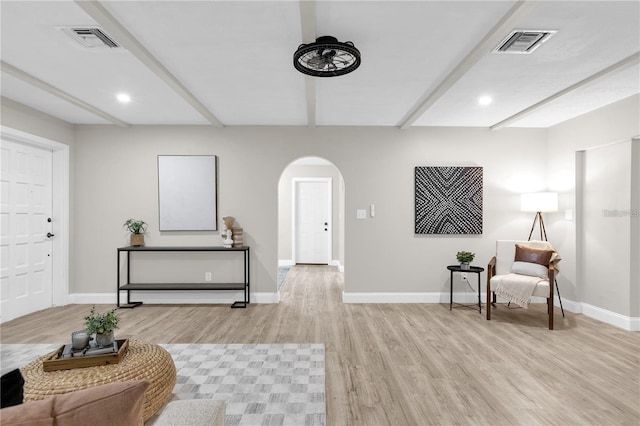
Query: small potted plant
pixel 102 325
pixel 465 258
pixel 137 228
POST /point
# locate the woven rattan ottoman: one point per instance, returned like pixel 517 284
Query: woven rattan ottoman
pixel 143 361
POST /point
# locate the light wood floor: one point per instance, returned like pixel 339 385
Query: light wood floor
pixel 408 364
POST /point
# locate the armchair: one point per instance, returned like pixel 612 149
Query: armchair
pixel 519 270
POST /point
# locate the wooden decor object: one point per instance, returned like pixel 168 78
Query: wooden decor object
pixel 54 361
pixel 237 236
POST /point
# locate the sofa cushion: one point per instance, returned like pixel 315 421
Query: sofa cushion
pixel 506 250
pixel 532 255
pixel 541 290
pixel 11 388
pixel 117 403
pixel 201 412
pixel 531 269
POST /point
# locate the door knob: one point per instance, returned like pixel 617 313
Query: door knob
pixel 49 235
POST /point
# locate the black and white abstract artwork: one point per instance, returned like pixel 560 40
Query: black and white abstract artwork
pixel 448 200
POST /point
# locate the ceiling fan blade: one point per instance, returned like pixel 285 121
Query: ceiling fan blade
pixel 328 54
pixel 316 61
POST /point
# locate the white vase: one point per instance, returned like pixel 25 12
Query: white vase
pixel 228 242
pixel 465 266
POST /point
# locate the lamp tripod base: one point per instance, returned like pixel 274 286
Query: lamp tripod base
pixel 543 237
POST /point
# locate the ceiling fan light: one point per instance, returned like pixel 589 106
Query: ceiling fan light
pixel 123 98
pixel 485 100
pixel 326 57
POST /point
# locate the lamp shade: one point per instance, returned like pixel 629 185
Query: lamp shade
pixel 539 202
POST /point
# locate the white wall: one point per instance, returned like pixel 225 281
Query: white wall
pixel 605 227
pixel 21 117
pixel 614 123
pixel 383 254
pixel 116 179
pixel 634 253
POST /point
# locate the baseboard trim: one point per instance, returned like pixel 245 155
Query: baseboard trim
pixel 336 262
pixel 91 298
pixel 285 262
pixel 162 297
pixel 613 318
pixel 603 315
pixel 172 297
pixel 265 297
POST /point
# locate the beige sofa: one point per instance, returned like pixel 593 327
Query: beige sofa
pixel 119 403
pixel 191 412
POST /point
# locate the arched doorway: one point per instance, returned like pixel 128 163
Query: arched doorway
pixel 301 182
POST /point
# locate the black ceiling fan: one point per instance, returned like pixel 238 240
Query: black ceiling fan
pixel 326 57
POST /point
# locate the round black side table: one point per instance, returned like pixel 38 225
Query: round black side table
pixel 472 269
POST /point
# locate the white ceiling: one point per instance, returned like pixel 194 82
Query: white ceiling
pixel 424 63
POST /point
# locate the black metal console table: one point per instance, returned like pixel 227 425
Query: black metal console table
pixel 129 286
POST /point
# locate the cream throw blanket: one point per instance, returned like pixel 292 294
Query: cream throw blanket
pixel 518 288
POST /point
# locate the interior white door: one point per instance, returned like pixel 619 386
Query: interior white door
pixel 25 221
pixel 312 221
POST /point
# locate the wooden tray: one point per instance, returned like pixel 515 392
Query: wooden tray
pixel 55 362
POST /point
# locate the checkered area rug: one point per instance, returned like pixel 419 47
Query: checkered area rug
pixel 263 384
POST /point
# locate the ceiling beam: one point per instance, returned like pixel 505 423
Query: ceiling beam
pixel 613 69
pixel 36 82
pixel 308 26
pixel 493 37
pixel 128 41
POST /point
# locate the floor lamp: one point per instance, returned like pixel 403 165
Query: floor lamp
pixel 541 202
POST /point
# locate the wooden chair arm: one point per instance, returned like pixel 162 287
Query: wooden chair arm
pixel 491 297
pixel 491 267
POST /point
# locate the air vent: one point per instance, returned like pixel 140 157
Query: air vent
pixel 523 41
pixel 90 37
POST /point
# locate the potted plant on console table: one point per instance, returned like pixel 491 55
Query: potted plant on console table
pixel 137 228
pixel 102 325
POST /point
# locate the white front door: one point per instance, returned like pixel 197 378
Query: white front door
pixel 312 224
pixel 25 220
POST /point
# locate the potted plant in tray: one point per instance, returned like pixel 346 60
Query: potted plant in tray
pixel 102 325
pixel 137 228
pixel 465 258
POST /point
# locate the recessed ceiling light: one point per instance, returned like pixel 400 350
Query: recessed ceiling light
pixel 123 97
pixel 484 100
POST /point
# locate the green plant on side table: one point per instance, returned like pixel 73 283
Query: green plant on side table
pixel 137 228
pixel 465 258
pixel 102 325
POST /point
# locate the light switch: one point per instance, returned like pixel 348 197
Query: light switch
pixel 361 214
pixel 568 215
